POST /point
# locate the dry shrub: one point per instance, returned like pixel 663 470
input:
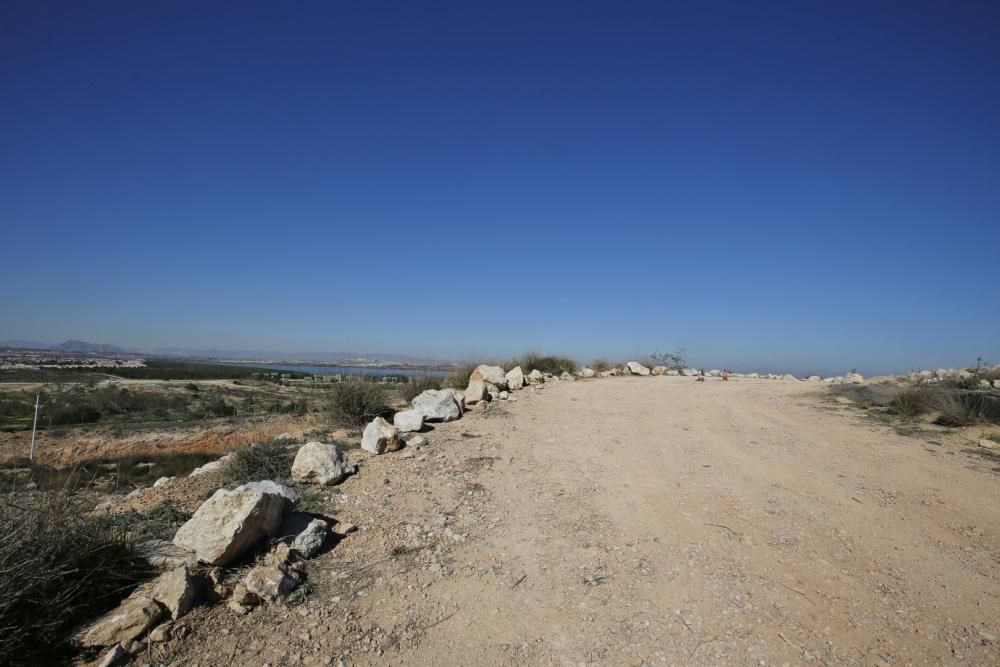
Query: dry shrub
pixel 258 461
pixel 965 408
pixel 910 402
pixel 60 566
pixel 459 378
pixel 600 365
pixel 357 402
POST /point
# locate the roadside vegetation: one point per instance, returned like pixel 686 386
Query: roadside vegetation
pixel 60 565
pixel 357 402
pixel 418 384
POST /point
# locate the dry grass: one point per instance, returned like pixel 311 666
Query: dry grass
pixel 60 566
pixel 259 461
pixel 357 402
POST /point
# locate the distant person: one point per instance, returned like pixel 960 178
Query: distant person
pixel 725 375
pixel 701 376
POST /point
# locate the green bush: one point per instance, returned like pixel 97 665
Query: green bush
pixel 60 566
pixel 418 384
pixel 357 402
pixel 259 461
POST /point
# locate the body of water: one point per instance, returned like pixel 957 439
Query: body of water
pixel 347 370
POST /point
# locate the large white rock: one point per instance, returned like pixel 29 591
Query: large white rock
pixel 436 405
pixel 788 376
pixel 229 523
pixel 815 378
pixel 635 368
pixel 853 378
pixel 380 437
pixel 690 372
pixel 673 372
pixel 515 378
pixel 475 392
pixel 658 370
pixel 536 377
pixel 715 372
pixel 321 463
pixel 586 372
pixel 408 420
pixel 490 374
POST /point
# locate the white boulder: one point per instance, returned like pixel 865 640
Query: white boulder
pixel 437 405
pixel 229 523
pixel 408 420
pixel 175 590
pixel 587 372
pixel 270 583
pixel 321 463
pixel 635 368
pixel 515 378
pixel 306 533
pixel 536 377
pixel 853 378
pixel 380 437
pixel 490 374
pixel 475 392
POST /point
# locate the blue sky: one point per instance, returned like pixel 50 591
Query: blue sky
pixel 801 185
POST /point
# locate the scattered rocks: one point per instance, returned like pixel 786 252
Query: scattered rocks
pixel 658 370
pixel 380 437
pixel 229 523
pixel 437 405
pixel 321 463
pixel 416 441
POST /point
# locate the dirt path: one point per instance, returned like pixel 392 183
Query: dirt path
pixel 641 521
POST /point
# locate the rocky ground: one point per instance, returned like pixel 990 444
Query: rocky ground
pixel 641 520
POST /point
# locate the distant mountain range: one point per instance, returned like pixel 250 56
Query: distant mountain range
pixel 83 347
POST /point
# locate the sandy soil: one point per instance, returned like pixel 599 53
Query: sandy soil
pixel 639 521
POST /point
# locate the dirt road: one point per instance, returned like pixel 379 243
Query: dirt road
pixel 640 521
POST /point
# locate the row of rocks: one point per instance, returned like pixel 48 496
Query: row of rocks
pixel 635 368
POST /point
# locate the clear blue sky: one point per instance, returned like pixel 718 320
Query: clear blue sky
pixel 802 185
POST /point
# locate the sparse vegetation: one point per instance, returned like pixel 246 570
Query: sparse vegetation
pixel 675 360
pixel 356 402
pixel 910 402
pixel 459 378
pixel 964 408
pixel 601 365
pixel 417 384
pixel 546 364
pixel 256 461
pixel 60 565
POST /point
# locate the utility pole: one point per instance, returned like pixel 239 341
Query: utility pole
pixel 34 427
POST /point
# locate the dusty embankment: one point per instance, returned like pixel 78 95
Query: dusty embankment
pixel 645 521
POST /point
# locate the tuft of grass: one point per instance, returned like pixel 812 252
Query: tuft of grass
pixel 419 384
pixel 965 408
pixel 601 365
pixel 258 461
pixel 60 566
pixel 356 402
pixel 547 364
pixel 910 402
pixel 459 378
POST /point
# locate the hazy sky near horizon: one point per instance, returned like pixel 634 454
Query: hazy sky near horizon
pixel 801 185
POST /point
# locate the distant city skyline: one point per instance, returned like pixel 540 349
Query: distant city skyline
pixel 790 186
